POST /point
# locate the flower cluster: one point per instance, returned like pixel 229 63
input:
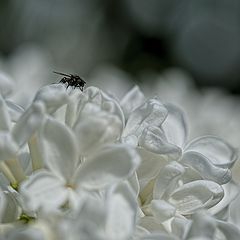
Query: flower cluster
pixel 86 165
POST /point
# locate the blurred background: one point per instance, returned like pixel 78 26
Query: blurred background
pixel 201 37
pixel 187 51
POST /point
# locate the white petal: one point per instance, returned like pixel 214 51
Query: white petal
pixel 69 113
pixel 43 190
pixel 153 139
pixel 12 209
pixel 179 225
pixel 99 101
pixel 234 210
pixel 25 161
pixel 4 116
pixel 175 126
pixel 215 149
pixel 162 210
pixel 90 221
pixel 206 168
pixel 3 204
pixel 140 232
pixel 4 182
pixel 95 130
pixel 60 148
pixel 130 140
pixel 150 166
pixel 166 180
pixel 15 111
pixel 28 123
pixel 132 100
pixel 160 236
pixel 231 190
pixel 151 113
pixel 134 183
pixel 151 224
pixel 75 200
pixel 53 96
pixel 229 230
pixel 121 213
pixel 8 147
pixel 30 233
pixel 196 195
pixel 108 166
pixel 203 226
pixel 6 84
pixel 35 152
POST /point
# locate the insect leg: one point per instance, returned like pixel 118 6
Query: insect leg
pixel 63 80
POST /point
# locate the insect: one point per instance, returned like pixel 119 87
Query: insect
pixel 72 80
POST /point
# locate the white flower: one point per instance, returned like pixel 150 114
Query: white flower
pixel 78 158
pixel 95 117
pixel 169 190
pixel 83 165
pixel 15 132
pixel 204 226
pixel 150 113
pixel 111 215
pixel 209 156
pixel 132 100
pixel 169 197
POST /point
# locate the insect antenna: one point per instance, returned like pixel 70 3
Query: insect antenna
pixel 63 74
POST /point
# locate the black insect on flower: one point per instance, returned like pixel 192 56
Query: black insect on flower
pixel 72 80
